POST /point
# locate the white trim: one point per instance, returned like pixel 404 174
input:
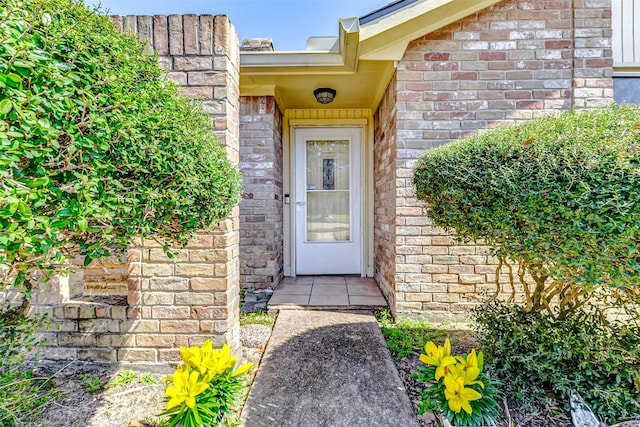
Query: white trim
pixel 328 118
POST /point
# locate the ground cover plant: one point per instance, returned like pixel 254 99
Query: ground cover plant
pixel 257 318
pixel 558 198
pixel 406 336
pixel 96 148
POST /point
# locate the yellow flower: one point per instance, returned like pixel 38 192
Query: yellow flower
pixel 218 362
pixel 210 362
pixel 242 369
pixel 439 356
pixel 458 396
pixel 185 388
pixel 469 368
pixel 472 360
pixel 468 375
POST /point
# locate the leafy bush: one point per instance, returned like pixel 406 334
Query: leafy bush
pixel 537 356
pixel 559 195
pixel 96 146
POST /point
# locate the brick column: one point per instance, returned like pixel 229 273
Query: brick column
pixel 193 297
pixel 261 208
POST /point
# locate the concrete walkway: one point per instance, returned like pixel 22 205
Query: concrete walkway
pixel 327 368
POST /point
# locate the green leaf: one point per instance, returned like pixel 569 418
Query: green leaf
pixel 5 107
pixel 24 209
pixel 38 182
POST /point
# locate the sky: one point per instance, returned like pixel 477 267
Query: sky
pixel 288 22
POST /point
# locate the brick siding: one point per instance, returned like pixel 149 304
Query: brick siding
pixel 384 161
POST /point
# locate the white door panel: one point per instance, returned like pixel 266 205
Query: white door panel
pixel 328 200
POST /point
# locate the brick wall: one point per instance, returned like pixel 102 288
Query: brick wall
pixel 195 295
pixel 511 62
pixel 261 216
pixel 384 161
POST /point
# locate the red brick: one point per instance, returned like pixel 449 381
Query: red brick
pixel 493 56
pixel 530 105
pixel 437 56
pixel 464 75
pixel 599 62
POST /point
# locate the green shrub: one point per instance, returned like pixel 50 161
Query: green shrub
pixel 96 146
pixel 537 356
pixel 559 195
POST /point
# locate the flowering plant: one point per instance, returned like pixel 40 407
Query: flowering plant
pixel 456 386
pixel 204 389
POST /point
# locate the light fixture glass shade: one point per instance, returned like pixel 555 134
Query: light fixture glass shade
pixel 324 95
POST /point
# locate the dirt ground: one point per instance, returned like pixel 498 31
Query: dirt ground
pixel 89 401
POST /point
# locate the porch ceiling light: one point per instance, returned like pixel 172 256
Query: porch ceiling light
pixel 324 95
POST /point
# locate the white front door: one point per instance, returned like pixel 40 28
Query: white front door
pixel 328 200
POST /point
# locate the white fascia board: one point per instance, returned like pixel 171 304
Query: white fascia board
pixel 386 22
pixel 290 59
pixel 387 37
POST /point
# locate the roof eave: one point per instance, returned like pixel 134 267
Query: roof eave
pixel 387 37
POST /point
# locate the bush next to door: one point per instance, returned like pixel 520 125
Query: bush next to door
pixel 96 146
pixel 557 194
pixel 560 197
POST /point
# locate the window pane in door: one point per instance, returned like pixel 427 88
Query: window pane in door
pixel 328 191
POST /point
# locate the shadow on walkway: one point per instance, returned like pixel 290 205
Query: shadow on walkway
pixel 327 368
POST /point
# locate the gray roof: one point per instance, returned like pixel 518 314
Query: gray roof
pixel 391 7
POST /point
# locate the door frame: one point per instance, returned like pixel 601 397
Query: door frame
pixel 360 118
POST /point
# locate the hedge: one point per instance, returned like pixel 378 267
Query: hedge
pixel 560 195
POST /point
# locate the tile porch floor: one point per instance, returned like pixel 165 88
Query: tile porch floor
pixel 327 292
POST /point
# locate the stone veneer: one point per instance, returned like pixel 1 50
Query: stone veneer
pixel 194 296
pixel 511 62
pixel 261 215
